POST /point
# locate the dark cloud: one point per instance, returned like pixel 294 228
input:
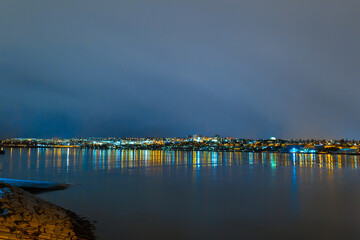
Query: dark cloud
pixel 161 68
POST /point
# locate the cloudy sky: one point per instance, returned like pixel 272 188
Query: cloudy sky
pixel 252 69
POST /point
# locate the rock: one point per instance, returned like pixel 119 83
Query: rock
pixel 25 216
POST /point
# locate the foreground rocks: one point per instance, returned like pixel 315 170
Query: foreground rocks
pixel 25 216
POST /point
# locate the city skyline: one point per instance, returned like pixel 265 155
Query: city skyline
pixel 179 119
pixel 195 143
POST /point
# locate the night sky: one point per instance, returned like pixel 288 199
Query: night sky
pixel 251 69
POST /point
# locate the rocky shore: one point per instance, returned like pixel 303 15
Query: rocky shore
pixel 25 216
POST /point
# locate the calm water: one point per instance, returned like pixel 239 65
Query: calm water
pixel 200 195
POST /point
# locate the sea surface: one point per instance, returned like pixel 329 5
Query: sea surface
pixel 144 194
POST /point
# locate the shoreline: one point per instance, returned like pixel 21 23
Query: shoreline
pixel 26 216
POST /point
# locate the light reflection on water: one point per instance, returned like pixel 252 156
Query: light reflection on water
pixel 65 160
pixel 143 194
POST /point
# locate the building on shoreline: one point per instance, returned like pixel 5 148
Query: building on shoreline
pixel 193 143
